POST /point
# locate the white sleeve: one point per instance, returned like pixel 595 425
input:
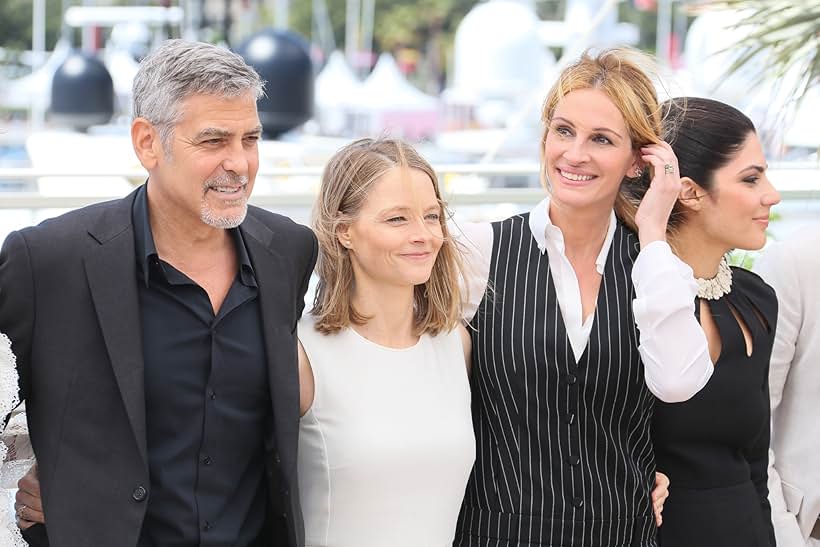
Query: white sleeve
pixel 475 241
pixel 673 345
pixel 778 270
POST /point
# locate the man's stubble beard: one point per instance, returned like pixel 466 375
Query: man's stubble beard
pixel 214 219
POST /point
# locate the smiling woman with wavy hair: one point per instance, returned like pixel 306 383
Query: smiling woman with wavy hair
pixel 346 183
pixel 385 440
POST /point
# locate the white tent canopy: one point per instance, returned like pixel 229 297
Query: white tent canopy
pixel 388 103
pixel 387 89
pixel 336 84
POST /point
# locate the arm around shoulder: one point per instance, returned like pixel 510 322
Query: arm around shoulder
pixel 307 384
pixel 673 346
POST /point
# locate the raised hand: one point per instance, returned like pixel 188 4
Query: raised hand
pixel 656 206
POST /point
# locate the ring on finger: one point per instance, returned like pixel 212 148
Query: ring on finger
pixel 668 168
pixel 20 510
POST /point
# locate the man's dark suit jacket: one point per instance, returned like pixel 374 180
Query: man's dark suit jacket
pixel 68 302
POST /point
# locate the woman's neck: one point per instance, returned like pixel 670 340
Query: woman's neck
pixel 698 250
pixel 390 313
pixel 584 230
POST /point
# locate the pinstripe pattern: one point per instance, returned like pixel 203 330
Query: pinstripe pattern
pixel 564 454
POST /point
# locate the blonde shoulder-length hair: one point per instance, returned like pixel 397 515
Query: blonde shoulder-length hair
pixel 346 183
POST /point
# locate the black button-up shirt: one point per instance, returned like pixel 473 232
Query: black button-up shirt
pixel 207 402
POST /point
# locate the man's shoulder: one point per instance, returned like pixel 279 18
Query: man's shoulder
pixel 116 211
pixel 275 220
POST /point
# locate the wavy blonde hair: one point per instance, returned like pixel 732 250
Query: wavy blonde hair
pixel 623 75
pixel 346 183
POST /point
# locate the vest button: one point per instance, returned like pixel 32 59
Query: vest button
pixel 571 379
pixel 570 418
pixel 577 502
pixel 573 460
pixel 139 493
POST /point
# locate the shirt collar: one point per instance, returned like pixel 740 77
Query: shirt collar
pixel 147 251
pixel 546 233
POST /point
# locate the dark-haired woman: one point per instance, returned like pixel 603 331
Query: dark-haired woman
pixel 714 446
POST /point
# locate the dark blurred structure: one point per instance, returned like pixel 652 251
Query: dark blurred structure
pixel 282 59
pixel 82 92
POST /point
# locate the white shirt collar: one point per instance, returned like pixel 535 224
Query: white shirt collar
pixel 545 232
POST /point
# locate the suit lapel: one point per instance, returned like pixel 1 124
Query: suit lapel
pixel 276 304
pixel 111 273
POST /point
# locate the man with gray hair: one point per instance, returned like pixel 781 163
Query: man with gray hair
pixel 155 335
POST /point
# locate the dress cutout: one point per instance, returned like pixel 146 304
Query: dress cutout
pixel 714 447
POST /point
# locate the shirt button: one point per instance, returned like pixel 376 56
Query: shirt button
pixel 571 379
pixel 207 460
pixel 570 418
pixel 577 502
pixel 206 525
pixel 139 493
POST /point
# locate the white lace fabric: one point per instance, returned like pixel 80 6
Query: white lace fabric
pixel 16 457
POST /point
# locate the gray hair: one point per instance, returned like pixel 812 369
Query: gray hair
pixel 179 69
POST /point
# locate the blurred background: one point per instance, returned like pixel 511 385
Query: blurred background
pixel 463 79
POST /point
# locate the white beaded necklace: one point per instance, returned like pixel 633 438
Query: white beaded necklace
pixel 716 287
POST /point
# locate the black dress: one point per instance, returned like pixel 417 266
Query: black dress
pixel 714 447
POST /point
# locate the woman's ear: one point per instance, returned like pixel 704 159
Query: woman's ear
pixel 691 194
pixel 636 168
pixel 343 235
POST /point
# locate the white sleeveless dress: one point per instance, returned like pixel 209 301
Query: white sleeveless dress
pixel 387 447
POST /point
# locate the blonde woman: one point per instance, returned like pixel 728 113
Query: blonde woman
pixel 385 439
pixel 564 382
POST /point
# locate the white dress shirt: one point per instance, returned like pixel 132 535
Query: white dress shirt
pixel 672 343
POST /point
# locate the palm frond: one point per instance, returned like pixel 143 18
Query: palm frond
pixel 786 31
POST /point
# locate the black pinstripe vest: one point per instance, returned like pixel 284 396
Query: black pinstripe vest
pixel 564 454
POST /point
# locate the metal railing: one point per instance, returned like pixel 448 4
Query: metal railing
pixel 794 181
